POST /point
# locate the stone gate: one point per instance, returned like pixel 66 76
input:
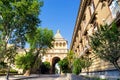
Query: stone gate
pixel 58 52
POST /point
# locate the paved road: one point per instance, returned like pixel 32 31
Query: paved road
pixel 35 77
pixel 48 77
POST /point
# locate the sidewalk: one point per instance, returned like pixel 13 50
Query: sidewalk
pixel 62 78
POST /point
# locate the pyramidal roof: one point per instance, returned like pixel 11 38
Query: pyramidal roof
pixel 58 35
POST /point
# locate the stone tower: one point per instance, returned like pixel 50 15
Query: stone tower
pixel 58 52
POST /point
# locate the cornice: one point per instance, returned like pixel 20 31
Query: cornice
pixel 81 11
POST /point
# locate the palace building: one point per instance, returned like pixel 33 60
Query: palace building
pixel 53 55
pixel 91 14
pixel 58 52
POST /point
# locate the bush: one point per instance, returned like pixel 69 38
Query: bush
pixel 24 61
pixel 64 65
pixel 13 71
pixel 3 64
pixel 45 67
pixel 76 66
pixel 3 70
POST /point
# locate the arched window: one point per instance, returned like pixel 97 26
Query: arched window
pixel 60 44
pixel 64 44
pixel 57 44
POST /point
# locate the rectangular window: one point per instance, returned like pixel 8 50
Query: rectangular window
pixel 92 8
pixel 115 8
pixel 84 20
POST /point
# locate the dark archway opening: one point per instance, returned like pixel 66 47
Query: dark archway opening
pixel 54 61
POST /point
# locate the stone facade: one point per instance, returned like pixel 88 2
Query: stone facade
pixel 53 55
pixel 57 52
pixel 59 49
pixel 91 14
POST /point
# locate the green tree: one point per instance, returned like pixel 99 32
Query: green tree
pixel 9 57
pixel 85 63
pixel 70 57
pixel 24 61
pixel 39 43
pixel 17 18
pixel 105 43
pixel 81 63
pixel 64 65
pixel 76 66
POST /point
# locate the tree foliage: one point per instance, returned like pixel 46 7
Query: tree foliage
pixel 2 65
pixel 105 43
pixel 81 63
pixel 73 64
pixel 70 57
pixel 24 61
pixel 85 62
pixel 39 42
pixel 64 65
pixel 18 17
pixel 41 39
pixel 76 66
pixel 45 67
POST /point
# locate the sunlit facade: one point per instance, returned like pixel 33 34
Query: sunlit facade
pixel 59 49
pixel 57 52
pixel 91 14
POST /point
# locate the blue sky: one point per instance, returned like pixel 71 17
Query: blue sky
pixel 60 14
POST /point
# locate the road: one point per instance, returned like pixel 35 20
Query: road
pixel 48 77
pixel 35 77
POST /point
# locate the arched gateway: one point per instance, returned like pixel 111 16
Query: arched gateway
pixel 58 52
pixel 54 61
